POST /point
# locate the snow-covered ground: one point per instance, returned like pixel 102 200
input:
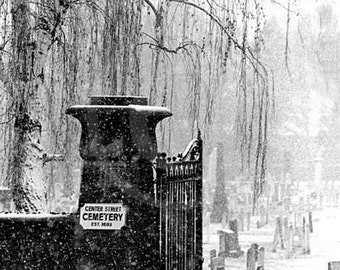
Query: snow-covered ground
pixel 325 245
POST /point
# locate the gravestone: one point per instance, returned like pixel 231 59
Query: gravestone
pixel 217 263
pixel 260 259
pixel 252 257
pixel 213 254
pixel 290 241
pixel 307 248
pixel 334 265
pixel 255 257
pixel 278 235
pixel 235 246
pixel 310 220
pixel 225 241
pixel 228 241
pixel 285 229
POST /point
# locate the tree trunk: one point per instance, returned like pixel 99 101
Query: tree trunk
pixel 26 155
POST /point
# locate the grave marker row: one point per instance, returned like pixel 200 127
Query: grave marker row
pixel 255 257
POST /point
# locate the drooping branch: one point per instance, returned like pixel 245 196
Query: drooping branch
pixel 167 50
pixel 151 6
pixel 287 39
pixel 242 47
pixel 284 7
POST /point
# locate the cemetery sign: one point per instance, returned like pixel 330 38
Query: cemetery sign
pixel 102 216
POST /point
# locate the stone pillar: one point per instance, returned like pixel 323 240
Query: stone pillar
pixel 118 144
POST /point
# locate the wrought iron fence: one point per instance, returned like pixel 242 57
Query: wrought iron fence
pixel 179 182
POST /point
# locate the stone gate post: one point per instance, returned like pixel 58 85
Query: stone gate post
pixel 118 214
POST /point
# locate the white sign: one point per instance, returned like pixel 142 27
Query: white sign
pixel 102 216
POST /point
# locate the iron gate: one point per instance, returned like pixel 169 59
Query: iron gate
pixel 179 182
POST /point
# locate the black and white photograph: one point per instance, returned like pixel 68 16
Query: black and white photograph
pixel 169 134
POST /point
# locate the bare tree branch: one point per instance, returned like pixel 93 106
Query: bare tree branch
pixel 165 49
pixel 287 39
pixel 284 7
pixel 151 6
pixel 245 49
pixel 149 36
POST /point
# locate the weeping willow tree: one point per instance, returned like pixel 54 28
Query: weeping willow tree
pixel 219 44
pixel 181 54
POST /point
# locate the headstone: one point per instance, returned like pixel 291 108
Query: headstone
pixel 224 242
pixel 235 242
pixel 251 258
pixel 217 263
pixel 255 246
pixel 286 204
pixel 298 224
pixel 228 242
pixel 260 259
pixel 278 236
pixel 310 220
pixel 285 229
pixel 290 241
pixel 303 234
pixel 334 265
pixel 213 254
pixel 306 249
